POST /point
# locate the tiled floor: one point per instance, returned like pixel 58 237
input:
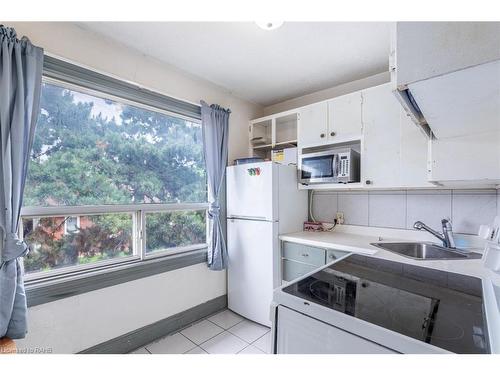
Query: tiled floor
pixel 222 333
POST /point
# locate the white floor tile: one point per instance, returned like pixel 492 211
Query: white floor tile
pixel 248 331
pixel 250 349
pixel 225 319
pixel 175 344
pixel 202 331
pixel 225 343
pixel 264 343
pixel 140 351
pixel 196 350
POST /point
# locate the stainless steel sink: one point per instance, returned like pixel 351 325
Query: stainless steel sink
pixel 424 250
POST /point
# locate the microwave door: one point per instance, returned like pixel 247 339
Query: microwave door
pixel 319 168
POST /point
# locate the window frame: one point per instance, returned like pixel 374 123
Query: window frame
pixel 58 72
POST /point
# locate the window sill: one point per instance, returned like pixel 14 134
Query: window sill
pixel 52 289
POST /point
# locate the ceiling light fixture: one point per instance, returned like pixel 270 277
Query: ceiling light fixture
pixel 269 25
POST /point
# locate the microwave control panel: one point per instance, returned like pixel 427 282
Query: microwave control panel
pixel 343 168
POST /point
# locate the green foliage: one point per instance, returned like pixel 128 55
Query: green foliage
pixel 82 157
pixel 172 229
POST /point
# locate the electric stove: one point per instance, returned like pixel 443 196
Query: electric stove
pixel 439 308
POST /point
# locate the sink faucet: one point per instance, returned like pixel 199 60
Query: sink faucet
pixel 446 237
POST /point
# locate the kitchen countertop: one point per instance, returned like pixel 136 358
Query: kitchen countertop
pixel 357 240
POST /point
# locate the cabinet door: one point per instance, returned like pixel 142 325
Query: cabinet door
pixel 414 151
pixel 380 164
pixel 313 125
pixel 331 255
pixel 303 253
pixel 293 270
pixel 344 117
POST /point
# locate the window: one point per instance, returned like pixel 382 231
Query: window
pixel 71 224
pixel 110 180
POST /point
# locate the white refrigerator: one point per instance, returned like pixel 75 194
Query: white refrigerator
pixel 263 201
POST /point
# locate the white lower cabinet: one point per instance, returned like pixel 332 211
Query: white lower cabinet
pixel 300 334
pixel 293 270
pixel 298 260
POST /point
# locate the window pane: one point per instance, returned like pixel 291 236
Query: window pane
pixel 94 238
pixel 88 151
pixel 168 230
pixel 72 224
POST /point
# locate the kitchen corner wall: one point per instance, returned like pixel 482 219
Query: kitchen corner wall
pixel 468 209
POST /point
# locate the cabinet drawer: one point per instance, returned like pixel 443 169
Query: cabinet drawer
pixel 331 255
pixel 303 253
pixel 293 270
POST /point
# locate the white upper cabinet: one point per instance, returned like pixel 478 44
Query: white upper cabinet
pixel 413 154
pixel 344 118
pixel 313 125
pixel 380 155
pixel 394 149
pixel 335 121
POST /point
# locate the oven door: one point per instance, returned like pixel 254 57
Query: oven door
pixel 320 167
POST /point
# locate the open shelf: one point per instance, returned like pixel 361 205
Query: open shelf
pixel 286 128
pixel 277 146
pixel 262 129
pixel 279 131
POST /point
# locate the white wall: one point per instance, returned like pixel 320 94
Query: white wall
pixel 72 324
pixel 76 323
pixel 346 88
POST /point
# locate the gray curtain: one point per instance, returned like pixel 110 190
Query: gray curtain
pixel 215 127
pixel 20 84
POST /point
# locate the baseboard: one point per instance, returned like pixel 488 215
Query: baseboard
pixel 142 336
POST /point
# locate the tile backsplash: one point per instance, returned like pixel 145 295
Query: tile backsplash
pixel 468 209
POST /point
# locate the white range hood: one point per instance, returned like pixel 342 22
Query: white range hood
pixel 447 75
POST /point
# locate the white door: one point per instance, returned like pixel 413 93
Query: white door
pixel 344 117
pixel 380 163
pixel 251 191
pixel 251 248
pixel 313 125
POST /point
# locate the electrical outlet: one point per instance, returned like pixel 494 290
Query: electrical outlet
pixel 340 217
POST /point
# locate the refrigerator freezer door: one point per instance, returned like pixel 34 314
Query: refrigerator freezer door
pixel 251 247
pixel 251 192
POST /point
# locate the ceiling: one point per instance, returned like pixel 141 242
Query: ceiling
pixel 265 67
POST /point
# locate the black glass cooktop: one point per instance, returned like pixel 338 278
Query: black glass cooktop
pixel 441 308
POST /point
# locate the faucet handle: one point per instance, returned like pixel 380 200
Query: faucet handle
pixel 446 223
